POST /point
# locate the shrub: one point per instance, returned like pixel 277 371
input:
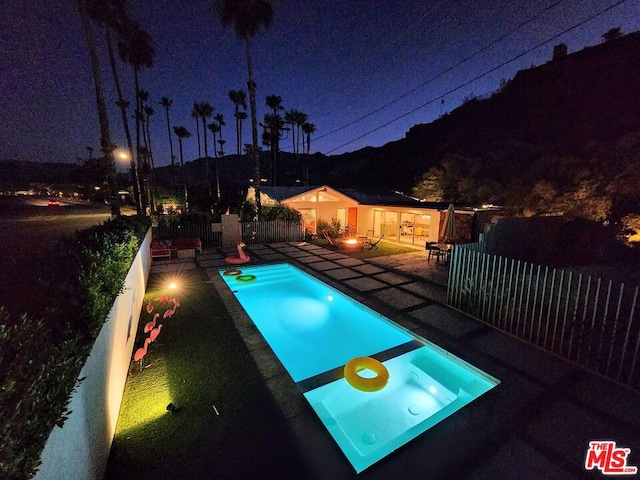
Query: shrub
pixel 333 228
pixel 281 213
pixel 40 359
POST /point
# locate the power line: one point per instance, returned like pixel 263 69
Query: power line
pixel 486 47
pixel 477 77
pixel 394 42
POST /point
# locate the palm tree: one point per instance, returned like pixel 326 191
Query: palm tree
pixel 215 128
pixel 274 125
pixel 308 129
pixel 105 134
pixel 300 119
pixel 248 18
pixel 239 119
pixel 206 110
pixel 166 103
pixel 148 112
pixel 220 119
pixel 112 15
pixel 181 133
pixel 136 48
pixel 239 99
pixel 290 118
pixel 274 102
pixel 195 113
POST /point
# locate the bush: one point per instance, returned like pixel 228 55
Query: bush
pixel 188 218
pixel 333 228
pixel 40 359
pixel 281 213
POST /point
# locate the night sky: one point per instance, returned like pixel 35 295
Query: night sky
pixel 364 71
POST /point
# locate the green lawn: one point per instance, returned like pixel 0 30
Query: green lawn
pixel 197 362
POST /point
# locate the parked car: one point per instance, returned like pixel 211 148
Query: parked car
pixel 53 203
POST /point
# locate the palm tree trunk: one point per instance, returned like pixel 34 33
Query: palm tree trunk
pixel 184 178
pixel 125 121
pixel 198 135
pixel 206 162
pixel 152 199
pixel 105 134
pixel 254 129
pixel 171 147
pixel 144 187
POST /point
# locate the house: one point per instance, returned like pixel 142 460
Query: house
pixel 395 215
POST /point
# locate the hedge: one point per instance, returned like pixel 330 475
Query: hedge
pixel 40 359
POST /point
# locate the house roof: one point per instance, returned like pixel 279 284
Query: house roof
pixel 389 198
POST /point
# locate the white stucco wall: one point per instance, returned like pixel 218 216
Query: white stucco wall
pixel 80 449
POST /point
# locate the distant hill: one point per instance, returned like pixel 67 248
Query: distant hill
pixel 13 172
pixel 559 109
pixel 556 136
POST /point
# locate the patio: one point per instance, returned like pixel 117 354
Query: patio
pixel 536 424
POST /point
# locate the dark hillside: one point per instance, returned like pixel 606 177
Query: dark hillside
pixel 554 110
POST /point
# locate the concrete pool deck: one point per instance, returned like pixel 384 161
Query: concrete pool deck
pixel 537 424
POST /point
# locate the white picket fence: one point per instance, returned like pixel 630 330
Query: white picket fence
pixel 590 321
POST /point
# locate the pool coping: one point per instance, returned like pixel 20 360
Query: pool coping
pixel 507 419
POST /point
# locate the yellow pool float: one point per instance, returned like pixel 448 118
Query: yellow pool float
pixel 372 384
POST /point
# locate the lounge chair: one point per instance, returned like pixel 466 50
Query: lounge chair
pixel 373 244
pixel 331 241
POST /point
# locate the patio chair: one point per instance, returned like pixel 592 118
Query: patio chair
pixel 331 241
pixel 373 244
pixel 435 251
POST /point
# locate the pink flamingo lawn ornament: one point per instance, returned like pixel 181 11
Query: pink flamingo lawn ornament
pixel 240 258
pixel 150 306
pixel 168 313
pixel 176 303
pixel 155 332
pixel 141 352
pixel 163 299
pixel 149 326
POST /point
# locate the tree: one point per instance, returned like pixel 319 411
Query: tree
pixel 239 99
pixel 273 128
pixel 308 129
pixel 181 133
pixel 215 128
pixel 148 112
pixel 220 119
pixel 106 144
pixel 296 119
pixel 300 119
pixel 612 34
pixel 274 124
pixel 136 48
pixel 248 18
pixel 112 15
pixel 206 110
pixel 166 103
pixel 195 113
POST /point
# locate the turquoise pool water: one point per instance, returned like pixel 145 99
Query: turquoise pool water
pixel 314 330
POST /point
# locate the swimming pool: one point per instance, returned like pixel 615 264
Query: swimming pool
pixel 315 330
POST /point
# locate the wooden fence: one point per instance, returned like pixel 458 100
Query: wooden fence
pixel 590 321
pixel 252 232
pixel 272 231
